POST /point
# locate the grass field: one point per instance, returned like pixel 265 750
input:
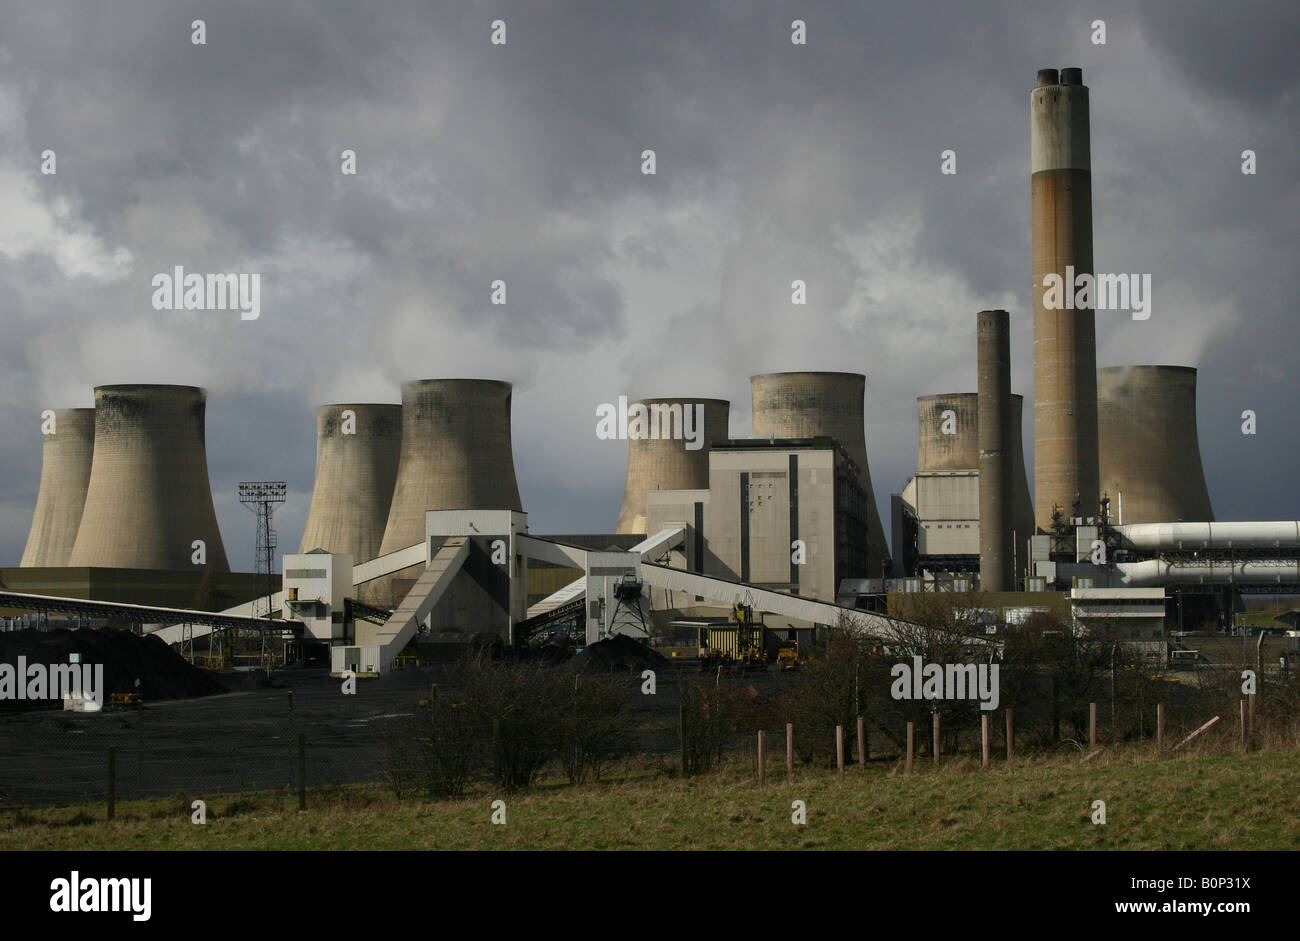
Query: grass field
pixel 1204 802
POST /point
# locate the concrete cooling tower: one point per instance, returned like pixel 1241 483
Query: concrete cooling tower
pixel 149 498
pixel 1065 340
pixel 456 455
pixel 810 404
pixel 1150 455
pixel 665 463
pixel 357 450
pixel 939 453
pixel 65 474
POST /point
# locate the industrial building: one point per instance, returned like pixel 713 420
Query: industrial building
pixel 823 404
pixel 936 517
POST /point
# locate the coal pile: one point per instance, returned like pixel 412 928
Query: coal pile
pixel 616 654
pixel 126 657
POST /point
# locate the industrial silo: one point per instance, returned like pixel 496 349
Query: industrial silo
pixel 149 500
pixel 357 450
pixel 940 452
pixel 665 462
pixel 1150 455
pixel 69 442
pixel 812 404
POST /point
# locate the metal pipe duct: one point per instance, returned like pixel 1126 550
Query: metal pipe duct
pixel 1211 572
pixel 665 463
pixel 357 450
pixel 1065 340
pixel 148 500
pixel 812 404
pixel 65 475
pixel 1168 537
pixel 1148 445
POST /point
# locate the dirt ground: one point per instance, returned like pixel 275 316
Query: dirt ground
pixel 246 740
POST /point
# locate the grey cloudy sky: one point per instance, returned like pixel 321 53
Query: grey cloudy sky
pixel 522 162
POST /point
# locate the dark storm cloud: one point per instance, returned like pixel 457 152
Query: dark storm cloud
pixel 522 163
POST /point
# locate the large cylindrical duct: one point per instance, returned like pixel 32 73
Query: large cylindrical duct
pixel 1150 454
pixel 149 502
pixel 993 344
pixel 69 442
pixel 1065 339
pixel 675 457
pixel 357 450
pixel 811 404
pixel 940 452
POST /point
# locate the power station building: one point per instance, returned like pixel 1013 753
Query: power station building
pixel 937 515
pixel 788 515
pixel 416 519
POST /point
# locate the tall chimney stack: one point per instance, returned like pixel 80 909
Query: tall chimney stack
pixel 1065 341
pixel 993 346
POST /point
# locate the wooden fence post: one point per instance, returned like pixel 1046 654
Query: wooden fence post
pixel 862 743
pixel 1245 725
pixel 302 771
pixel 1092 725
pixel 1011 734
pixel 1160 726
pixel 984 739
pixel 936 739
pixel 839 747
pixel 112 780
pixel 910 744
pixel 789 748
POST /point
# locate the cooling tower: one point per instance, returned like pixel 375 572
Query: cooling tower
pixel 357 450
pixel 456 455
pixel 810 404
pixel 939 452
pixel 1150 456
pixel 65 473
pixel 149 498
pixel 664 462
pixel 996 494
pixel 1065 340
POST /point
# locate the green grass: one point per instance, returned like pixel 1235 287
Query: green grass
pixel 1205 802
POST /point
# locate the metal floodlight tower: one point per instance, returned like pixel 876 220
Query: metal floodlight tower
pixel 262 497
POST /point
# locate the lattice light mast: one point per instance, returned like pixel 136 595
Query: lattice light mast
pixel 262 497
